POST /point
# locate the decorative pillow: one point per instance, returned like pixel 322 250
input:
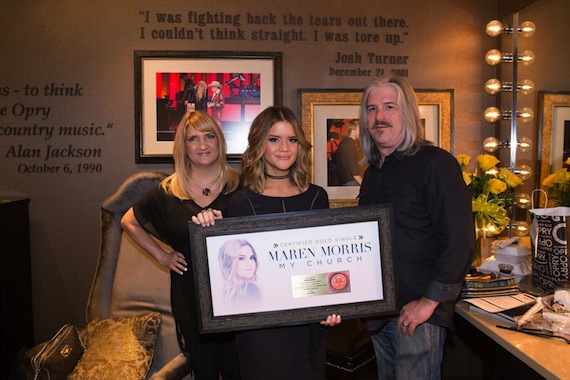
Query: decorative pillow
pixel 118 348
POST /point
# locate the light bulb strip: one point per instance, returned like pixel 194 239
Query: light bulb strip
pixel 494 86
pixel 495 28
pixel 507 144
pixel 492 57
pixel 493 114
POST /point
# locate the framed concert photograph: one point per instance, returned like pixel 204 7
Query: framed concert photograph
pixel 326 116
pixel 293 268
pixel 232 87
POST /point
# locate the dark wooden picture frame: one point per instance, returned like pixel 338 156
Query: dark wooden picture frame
pixel 250 81
pixel 367 272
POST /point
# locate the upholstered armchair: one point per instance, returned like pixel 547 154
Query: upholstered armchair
pixel 128 282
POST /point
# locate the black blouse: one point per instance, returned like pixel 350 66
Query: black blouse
pixel 245 202
pixel 166 217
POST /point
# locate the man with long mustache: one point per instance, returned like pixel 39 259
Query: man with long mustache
pixel 433 229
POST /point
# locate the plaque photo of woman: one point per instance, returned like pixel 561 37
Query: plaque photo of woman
pixel 239 265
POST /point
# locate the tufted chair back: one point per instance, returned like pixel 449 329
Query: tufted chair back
pixel 128 281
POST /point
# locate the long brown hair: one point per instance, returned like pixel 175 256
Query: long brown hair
pixel 253 162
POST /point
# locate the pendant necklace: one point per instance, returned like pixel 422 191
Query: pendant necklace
pixel 205 189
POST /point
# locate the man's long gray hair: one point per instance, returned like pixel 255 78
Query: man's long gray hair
pixel 408 106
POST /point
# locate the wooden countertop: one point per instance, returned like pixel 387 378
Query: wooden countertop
pixel 550 357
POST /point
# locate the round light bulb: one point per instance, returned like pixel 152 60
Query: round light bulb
pixel 521 228
pixel 525 115
pixel 525 144
pixel 526 87
pixel 523 201
pixel 491 144
pixel 526 30
pixel 526 58
pixel 493 57
pixel 492 114
pixel 524 172
pixel 493 86
pixel 494 28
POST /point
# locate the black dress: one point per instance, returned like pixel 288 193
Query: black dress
pixel 292 352
pixel 166 217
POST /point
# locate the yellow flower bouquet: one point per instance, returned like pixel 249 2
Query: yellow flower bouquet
pixel 558 186
pixel 491 193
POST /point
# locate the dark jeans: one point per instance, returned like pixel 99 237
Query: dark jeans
pixel 409 357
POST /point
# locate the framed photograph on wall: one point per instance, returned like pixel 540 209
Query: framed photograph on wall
pixel 293 268
pixel 553 133
pixel 233 87
pixel 326 114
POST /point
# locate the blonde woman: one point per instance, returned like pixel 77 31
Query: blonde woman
pixel 202 96
pixel 202 179
pixel 239 264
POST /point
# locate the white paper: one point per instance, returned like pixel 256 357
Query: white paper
pixel 501 303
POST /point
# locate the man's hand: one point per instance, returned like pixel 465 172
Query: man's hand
pixel 414 314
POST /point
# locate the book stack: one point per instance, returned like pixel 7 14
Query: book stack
pixel 488 284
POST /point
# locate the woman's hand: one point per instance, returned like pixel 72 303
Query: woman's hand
pixel 207 217
pixel 174 261
pixel 332 320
